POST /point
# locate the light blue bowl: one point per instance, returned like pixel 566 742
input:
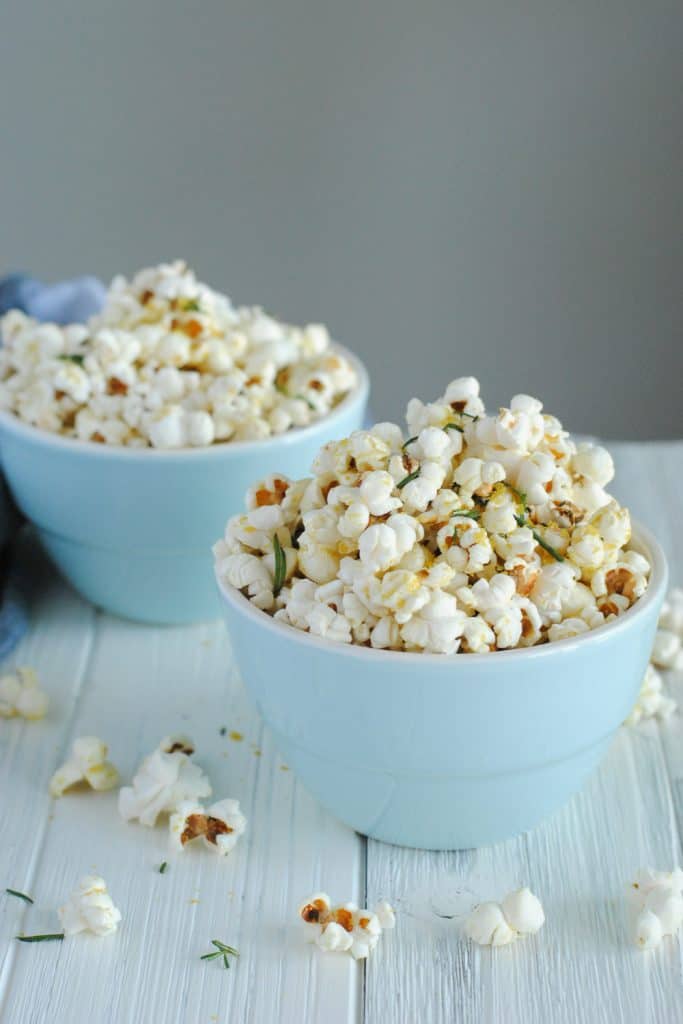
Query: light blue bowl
pixel 132 529
pixel 438 752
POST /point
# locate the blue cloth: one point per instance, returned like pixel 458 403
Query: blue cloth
pixel 66 302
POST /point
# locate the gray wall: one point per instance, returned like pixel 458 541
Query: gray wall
pixel 488 187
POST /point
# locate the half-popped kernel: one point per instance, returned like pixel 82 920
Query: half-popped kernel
pixel 169 363
pixel 476 533
pixel 345 928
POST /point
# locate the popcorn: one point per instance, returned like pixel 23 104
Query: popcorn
pixel 671 617
pixel 666 651
pixel 219 826
pixel 657 899
pixel 90 908
pixel 165 779
pixel 20 694
pixel 345 928
pixel 651 702
pixel 88 763
pixel 169 363
pixel 497 924
pixel 478 533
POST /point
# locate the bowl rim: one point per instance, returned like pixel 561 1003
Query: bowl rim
pixel 642 540
pixel 358 395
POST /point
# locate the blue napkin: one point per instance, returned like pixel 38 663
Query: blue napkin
pixel 65 302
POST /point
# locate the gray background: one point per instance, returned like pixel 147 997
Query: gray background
pixel 489 188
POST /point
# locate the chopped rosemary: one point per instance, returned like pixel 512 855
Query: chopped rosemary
pixel 302 398
pixel 469 415
pixel 74 357
pixel 192 306
pixel 162 867
pixel 454 426
pixel 223 730
pixel 523 521
pixel 406 479
pixel 49 937
pixel 548 547
pixel 20 895
pixel 221 951
pixel 471 513
pixel 280 566
pixel 519 494
pixel 409 441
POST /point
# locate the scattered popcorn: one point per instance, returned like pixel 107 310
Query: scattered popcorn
pixel 657 898
pixel 89 908
pixel 652 702
pixel 671 616
pixel 165 779
pixel 497 924
pixel 21 694
pixel 345 928
pixel 477 533
pixel 666 651
pixel 88 762
pixel 219 826
pixel 169 363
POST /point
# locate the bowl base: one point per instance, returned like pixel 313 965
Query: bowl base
pixel 451 813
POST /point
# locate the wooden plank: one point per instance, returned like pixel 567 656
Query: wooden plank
pixel 58 646
pixel 142 683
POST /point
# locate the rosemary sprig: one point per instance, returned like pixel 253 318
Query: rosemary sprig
pixel 454 426
pixel 50 937
pixel 221 950
pixel 406 479
pixel 409 441
pixel 20 895
pixel 521 495
pixel 74 357
pixel 163 866
pixel 523 521
pixel 280 566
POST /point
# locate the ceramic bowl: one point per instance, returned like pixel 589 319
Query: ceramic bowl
pixel 442 752
pixel 132 529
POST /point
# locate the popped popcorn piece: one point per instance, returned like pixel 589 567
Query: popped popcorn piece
pixel 497 924
pixel 89 908
pixel 477 533
pixel 523 911
pixel 657 898
pixel 165 779
pixel 486 926
pixel 652 702
pixel 345 928
pixel 219 826
pixel 666 650
pixel 88 763
pixel 21 694
pixel 169 363
pixel 671 615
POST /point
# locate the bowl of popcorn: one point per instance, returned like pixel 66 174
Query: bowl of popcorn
pixel 444 627
pixel 125 438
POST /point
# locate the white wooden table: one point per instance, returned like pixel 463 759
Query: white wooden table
pixel 133 684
